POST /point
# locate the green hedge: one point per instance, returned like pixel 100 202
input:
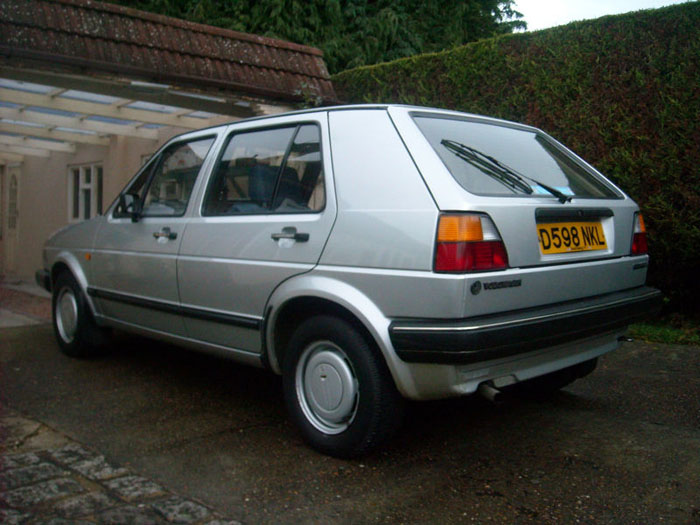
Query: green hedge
pixel 622 91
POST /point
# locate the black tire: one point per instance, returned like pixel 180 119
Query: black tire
pixel 74 326
pixel 338 389
pixel 548 384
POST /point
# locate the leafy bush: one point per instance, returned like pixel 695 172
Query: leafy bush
pixel 622 91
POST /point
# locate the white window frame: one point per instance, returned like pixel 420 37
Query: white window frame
pixel 88 182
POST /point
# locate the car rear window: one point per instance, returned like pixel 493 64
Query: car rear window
pixel 492 159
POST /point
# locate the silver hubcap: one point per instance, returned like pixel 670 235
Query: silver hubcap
pixel 326 387
pixel 67 315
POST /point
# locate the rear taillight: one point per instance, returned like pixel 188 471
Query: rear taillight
pixel 468 242
pixel 639 238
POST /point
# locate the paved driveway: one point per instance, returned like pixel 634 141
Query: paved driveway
pixel 622 445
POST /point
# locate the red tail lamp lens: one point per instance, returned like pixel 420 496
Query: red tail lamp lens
pixel 639 244
pixel 470 256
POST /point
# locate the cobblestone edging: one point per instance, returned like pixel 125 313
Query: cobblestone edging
pixel 72 484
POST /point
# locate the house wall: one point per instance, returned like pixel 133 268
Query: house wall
pixel 43 194
pixel 2 219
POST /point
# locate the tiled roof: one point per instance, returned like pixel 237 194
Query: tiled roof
pixel 116 39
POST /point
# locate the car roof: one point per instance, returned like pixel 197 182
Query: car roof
pixel 351 107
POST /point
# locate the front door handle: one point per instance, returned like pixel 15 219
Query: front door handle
pixel 290 232
pixel 165 233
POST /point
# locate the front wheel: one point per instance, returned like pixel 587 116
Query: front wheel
pixel 76 331
pixel 338 389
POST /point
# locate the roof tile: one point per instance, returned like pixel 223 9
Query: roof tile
pixel 113 38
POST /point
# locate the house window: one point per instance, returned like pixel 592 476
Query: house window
pixel 84 192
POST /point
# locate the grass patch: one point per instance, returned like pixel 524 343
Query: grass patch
pixel 667 331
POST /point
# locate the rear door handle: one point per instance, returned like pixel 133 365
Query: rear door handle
pixel 165 233
pixel 290 232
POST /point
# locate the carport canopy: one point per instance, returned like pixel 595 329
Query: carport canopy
pixel 77 71
pixel 36 119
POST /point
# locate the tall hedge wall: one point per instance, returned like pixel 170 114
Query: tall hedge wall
pixel 622 91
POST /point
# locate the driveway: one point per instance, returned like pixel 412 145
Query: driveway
pixel 622 445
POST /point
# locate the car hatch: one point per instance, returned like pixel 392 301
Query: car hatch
pixel 547 204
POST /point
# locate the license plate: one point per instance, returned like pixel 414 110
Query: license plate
pixel 564 237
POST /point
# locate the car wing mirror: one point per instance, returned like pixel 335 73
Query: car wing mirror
pixel 130 205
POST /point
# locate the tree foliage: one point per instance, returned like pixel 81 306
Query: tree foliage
pixel 352 33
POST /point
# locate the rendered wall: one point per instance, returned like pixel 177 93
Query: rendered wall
pixel 43 192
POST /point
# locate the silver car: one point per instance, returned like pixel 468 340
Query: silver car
pixel 367 254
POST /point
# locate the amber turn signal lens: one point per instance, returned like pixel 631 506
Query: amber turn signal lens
pixel 640 224
pixel 460 228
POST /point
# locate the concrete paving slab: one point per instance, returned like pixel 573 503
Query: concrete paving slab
pixel 135 487
pixel 10 319
pixel 85 505
pixel 28 475
pixel 179 510
pixel 16 461
pixel 23 305
pixel 41 492
pixel 29 287
pixel 129 514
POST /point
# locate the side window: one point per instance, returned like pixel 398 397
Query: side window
pixel 135 188
pixel 269 171
pixel 301 185
pixel 173 178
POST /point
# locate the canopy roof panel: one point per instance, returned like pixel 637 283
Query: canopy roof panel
pixel 36 119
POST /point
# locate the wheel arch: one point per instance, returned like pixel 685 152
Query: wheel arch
pixel 309 295
pixel 297 309
pixel 67 262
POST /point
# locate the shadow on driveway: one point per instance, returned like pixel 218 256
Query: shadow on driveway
pixel 622 445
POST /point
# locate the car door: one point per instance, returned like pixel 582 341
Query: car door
pixel 266 215
pixel 134 264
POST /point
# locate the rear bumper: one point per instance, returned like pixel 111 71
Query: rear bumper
pixel 486 338
pixel 43 279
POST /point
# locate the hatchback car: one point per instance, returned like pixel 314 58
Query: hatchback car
pixel 367 254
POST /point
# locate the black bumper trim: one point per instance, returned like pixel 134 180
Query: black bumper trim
pixel 490 337
pixel 43 279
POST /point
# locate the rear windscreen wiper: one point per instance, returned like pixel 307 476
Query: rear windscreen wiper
pixel 498 170
pixel 487 166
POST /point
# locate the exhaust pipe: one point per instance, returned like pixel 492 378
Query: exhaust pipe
pixel 491 393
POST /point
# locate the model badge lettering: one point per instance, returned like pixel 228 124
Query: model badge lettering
pixel 497 285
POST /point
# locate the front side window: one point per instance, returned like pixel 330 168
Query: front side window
pixel 268 171
pixel 173 177
pixel 84 192
pixel 491 159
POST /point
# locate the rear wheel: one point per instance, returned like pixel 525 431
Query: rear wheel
pixel 338 389
pixel 554 381
pixel 76 331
